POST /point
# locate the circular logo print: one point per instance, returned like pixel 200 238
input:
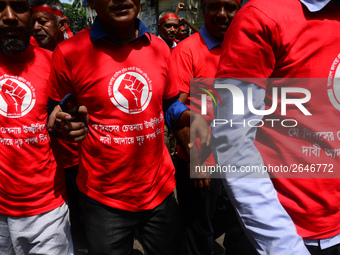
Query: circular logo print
pixel 130 90
pixel 333 85
pixel 16 97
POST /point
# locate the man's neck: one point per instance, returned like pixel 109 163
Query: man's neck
pixel 168 42
pixel 122 34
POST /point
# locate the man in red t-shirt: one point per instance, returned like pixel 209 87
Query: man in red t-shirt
pixel 126 176
pixel 33 213
pixel 168 27
pixel 202 215
pixel 280 58
pixel 50 28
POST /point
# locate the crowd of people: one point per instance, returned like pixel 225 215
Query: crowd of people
pixel 101 132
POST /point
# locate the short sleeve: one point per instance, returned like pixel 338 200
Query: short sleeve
pixel 60 77
pixel 250 46
pixel 171 89
pixel 181 70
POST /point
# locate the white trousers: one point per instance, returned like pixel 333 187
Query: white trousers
pixel 43 234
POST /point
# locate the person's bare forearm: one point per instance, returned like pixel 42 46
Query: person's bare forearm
pixel 192 26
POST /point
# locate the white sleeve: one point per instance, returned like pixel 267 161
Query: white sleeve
pixel 267 225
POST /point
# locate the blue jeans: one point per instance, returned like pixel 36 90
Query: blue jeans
pixel 111 231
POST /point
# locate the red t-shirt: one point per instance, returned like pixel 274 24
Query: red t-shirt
pixel 192 59
pixel 65 152
pixel 124 162
pixel 282 39
pixel 30 183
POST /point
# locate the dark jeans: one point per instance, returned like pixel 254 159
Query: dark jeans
pixel 170 142
pixel 315 250
pixel 76 217
pixel 206 215
pixel 111 231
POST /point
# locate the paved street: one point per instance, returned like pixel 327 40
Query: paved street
pixel 218 247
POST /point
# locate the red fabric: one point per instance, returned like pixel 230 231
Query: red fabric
pixel 239 1
pixel 68 30
pixel 192 59
pixel 66 153
pixel 169 16
pixel 124 162
pixel 30 183
pixel 263 41
pixel 33 42
pixel 47 9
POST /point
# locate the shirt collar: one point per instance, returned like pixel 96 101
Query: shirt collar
pixel 317 5
pixel 208 38
pixel 98 31
pixel 174 44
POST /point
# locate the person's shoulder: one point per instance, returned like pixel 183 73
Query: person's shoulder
pixel 159 44
pixel 272 9
pixel 76 42
pixel 191 41
pixel 189 44
pixel 271 5
pixel 42 51
pixel 42 54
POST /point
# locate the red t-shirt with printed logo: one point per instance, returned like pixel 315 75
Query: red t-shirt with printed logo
pixel 282 39
pixel 30 183
pixel 124 162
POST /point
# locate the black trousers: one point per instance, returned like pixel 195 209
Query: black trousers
pixel 206 215
pixel 76 216
pixel 111 231
pixel 316 250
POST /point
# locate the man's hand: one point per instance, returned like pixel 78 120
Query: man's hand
pixel 183 20
pixel 180 6
pixel 199 178
pixel 71 131
pixel 199 128
pixel 202 181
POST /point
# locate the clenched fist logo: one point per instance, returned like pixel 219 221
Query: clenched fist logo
pixel 132 88
pixel 14 96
